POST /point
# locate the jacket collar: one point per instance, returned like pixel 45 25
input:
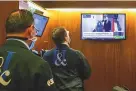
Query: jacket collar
pixel 16 43
pixel 62 46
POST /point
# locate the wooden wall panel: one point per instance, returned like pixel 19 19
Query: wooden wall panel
pixel 113 62
pixel 5 8
pixel 87 4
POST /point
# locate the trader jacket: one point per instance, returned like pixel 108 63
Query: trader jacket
pixel 70 68
pixel 21 70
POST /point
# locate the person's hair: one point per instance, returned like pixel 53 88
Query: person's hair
pixel 58 35
pixel 18 21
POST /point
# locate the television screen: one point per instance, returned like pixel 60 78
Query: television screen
pixel 40 23
pixel 103 26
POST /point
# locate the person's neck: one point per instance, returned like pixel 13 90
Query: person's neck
pixel 19 36
pixel 66 43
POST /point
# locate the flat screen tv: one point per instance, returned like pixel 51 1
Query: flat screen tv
pixel 40 23
pixel 103 26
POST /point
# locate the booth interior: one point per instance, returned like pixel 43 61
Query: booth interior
pixel 109 47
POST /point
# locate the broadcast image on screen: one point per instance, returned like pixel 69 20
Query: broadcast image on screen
pixel 40 23
pixel 103 26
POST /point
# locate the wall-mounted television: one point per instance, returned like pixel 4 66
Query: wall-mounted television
pixel 40 23
pixel 103 26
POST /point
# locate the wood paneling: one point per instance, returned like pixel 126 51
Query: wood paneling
pixel 6 7
pixel 87 4
pixel 113 62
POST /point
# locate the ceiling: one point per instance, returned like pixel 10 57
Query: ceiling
pixel 87 4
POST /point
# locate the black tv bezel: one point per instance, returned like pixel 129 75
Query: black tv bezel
pixel 81 37
pixel 45 24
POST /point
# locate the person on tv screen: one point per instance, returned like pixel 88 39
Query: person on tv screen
pixel 70 67
pixel 107 24
pixel 117 26
pixel 99 27
pixel 20 69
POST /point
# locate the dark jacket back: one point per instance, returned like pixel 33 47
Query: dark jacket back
pixel 71 71
pixel 27 72
pixel 107 26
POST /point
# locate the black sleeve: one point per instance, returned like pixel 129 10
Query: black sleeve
pixel 83 66
pixel 45 81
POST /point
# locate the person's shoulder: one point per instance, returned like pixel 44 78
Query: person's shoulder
pixel 49 52
pixel 30 55
pixel 22 56
pixel 71 49
pixel 36 60
pixel 75 51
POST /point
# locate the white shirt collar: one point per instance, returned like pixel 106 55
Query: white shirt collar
pixel 20 41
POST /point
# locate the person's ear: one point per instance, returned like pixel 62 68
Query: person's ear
pixel 31 32
pixel 67 37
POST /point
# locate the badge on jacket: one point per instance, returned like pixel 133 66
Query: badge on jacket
pixel 50 82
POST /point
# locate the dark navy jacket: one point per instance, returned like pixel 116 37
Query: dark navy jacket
pixel 107 26
pixel 25 71
pixel 70 68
